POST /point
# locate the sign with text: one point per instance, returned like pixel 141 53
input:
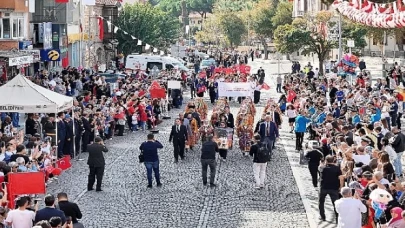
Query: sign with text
pixel 234 89
pixel 16 61
pixel 173 84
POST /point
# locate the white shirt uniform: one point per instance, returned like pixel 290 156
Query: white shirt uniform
pixel 349 210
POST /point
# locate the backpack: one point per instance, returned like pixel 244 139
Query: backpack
pixel 262 153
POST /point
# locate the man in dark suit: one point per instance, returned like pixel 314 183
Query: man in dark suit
pixel 275 116
pixel 229 117
pixel 179 137
pixel 61 133
pixel 68 150
pixel 268 132
pixel 96 163
pixel 86 131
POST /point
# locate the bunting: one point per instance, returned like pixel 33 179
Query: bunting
pixel 116 28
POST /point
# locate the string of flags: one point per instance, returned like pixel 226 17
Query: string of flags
pixel 116 28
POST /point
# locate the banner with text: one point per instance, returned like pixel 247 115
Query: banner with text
pixel 234 89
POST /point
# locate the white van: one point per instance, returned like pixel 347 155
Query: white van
pixel 143 62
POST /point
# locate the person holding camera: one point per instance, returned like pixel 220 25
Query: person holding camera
pixel 149 150
pixel 96 163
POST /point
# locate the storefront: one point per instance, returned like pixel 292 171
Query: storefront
pixel 12 63
pixel 36 56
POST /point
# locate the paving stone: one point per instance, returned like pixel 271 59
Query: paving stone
pixel 183 201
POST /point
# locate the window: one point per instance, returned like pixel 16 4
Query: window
pixel 6 33
pixel 11 28
pixel 15 27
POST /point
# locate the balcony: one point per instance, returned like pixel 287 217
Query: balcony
pixel 13 6
pixel 300 13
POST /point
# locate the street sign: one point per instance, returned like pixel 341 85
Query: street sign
pixel 350 43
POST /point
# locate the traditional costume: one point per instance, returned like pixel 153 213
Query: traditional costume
pixel 206 131
pixel 244 125
pixel 201 108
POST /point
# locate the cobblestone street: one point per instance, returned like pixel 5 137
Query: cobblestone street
pixel 183 201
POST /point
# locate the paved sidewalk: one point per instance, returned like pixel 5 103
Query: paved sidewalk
pixel 308 194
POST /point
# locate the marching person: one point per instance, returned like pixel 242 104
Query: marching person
pixel 260 158
pixel 179 137
pixel 208 152
pixel 96 163
pixel 151 159
pixel 268 132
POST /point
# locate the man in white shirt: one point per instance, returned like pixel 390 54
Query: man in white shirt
pixel 21 217
pixel 349 209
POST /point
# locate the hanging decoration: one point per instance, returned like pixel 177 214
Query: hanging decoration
pixel 116 28
pixel 379 15
pixel 349 63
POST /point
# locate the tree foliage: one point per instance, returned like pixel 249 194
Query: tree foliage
pixel 309 36
pixel 356 32
pixel 211 31
pixel 262 23
pixel 283 14
pixel 174 6
pixel 233 5
pixel 233 28
pixel 148 23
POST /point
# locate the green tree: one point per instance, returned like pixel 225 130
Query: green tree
pixel 147 23
pixel 306 37
pixel 356 32
pixel 175 6
pixel 211 31
pixel 283 14
pixel 226 6
pixel 233 28
pixel 262 23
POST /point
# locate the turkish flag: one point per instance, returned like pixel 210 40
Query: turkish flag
pixel 61 1
pixel 228 71
pixel 26 183
pixel 101 27
pixel 265 86
pixel 155 85
pixel 157 93
pixel 64 163
pixel 291 95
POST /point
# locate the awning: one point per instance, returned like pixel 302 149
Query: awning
pixel 17 58
pixel 76 37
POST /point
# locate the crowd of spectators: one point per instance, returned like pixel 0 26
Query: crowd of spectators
pixel 354 144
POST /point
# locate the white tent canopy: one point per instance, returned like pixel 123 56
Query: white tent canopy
pixel 23 96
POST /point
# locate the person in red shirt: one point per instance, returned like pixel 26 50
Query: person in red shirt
pixel 142 117
pixel 120 117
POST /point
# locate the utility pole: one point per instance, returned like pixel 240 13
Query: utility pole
pixel 340 38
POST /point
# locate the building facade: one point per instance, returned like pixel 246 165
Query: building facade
pixel 14 36
pixel 100 51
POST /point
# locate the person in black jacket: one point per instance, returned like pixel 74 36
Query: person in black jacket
pixel 70 209
pixel 260 159
pixel 96 163
pixel 230 122
pixel 398 144
pixel 68 146
pixel 31 126
pixel 86 131
pixel 208 153
pixel 179 137
pixel 314 156
pixel 151 159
